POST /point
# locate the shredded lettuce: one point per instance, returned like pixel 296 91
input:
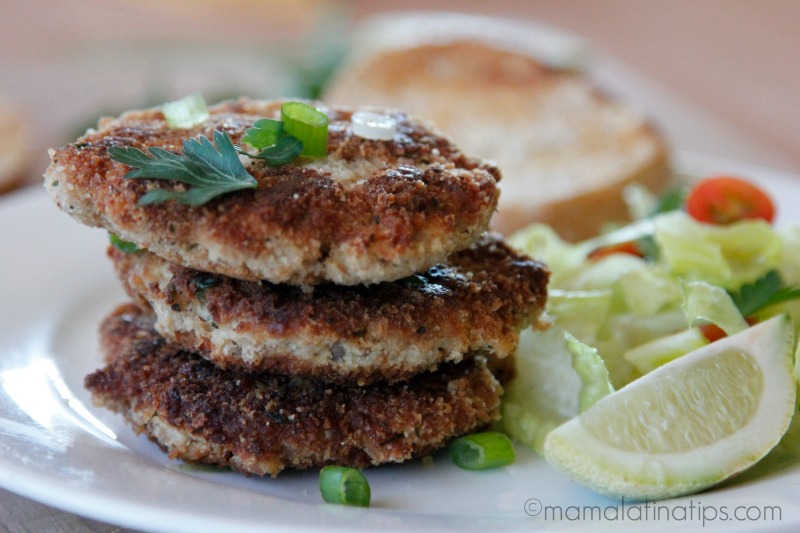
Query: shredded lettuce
pixel 592 371
pixel 704 302
pixel 651 355
pixel 649 290
pixel 723 255
pixel 557 378
pixel 789 261
pixel 581 312
pixel 543 243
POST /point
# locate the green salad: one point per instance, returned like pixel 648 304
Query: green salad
pixel 698 266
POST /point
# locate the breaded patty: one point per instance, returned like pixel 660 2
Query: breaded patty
pixel 476 302
pixel 260 423
pixel 370 211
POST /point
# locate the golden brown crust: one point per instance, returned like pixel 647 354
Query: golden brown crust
pixel 420 200
pixel 261 423
pixel 476 302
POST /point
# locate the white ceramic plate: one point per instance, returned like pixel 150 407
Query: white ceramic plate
pixel 55 447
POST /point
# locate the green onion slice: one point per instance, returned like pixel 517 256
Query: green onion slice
pixel 344 486
pixel 186 112
pixel 122 245
pixel 482 450
pixel 309 125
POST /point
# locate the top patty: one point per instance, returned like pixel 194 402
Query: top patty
pixel 475 302
pixel 369 211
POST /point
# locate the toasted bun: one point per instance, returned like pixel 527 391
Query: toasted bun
pixel 14 144
pixel 565 149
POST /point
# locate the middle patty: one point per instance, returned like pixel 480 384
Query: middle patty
pixel 476 302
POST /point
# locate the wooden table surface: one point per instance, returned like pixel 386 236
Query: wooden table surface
pixel 720 76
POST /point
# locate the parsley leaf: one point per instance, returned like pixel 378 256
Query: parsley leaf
pixel 672 200
pixel 766 291
pixel 285 150
pixel 277 147
pixel 265 132
pixel 211 171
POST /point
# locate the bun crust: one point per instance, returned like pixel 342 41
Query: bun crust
pixel 566 150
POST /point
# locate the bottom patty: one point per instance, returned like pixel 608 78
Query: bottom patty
pixel 260 423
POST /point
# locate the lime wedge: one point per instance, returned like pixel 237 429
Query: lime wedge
pixel 688 424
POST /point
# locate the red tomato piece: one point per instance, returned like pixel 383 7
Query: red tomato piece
pixel 725 199
pixel 630 248
pixel 712 332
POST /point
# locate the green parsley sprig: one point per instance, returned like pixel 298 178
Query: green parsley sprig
pixel 766 291
pixel 216 170
pixel 211 171
pixel 277 147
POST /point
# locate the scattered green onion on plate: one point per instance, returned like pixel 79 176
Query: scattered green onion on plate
pixel 482 450
pixel 344 486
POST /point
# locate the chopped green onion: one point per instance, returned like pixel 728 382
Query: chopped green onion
pixel 344 486
pixel 482 450
pixel 186 112
pixel 308 124
pixel 123 246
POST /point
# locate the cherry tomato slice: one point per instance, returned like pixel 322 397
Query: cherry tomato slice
pixel 630 248
pixel 713 332
pixel 725 199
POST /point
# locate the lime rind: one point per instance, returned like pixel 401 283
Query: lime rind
pixel 797 363
pixel 614 471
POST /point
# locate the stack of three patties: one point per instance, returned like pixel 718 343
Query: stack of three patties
pixel 342 312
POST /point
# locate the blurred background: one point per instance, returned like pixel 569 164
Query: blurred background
pixel 719 76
